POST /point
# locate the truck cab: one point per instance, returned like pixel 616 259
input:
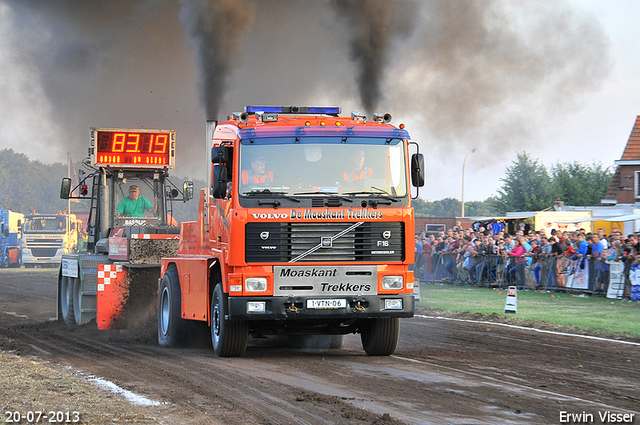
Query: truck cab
pixel 47 237
pixel 10 238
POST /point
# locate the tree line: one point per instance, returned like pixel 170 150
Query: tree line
pixel 27 186
pixel 528 185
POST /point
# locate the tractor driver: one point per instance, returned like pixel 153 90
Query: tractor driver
pixel 134 205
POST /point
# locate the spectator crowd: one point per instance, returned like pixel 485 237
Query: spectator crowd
pixel 528 260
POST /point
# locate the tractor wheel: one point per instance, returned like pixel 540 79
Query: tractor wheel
pixel 77 299
pixel 171 327
pixel 380 336
pixel 66 294
pixel 229 337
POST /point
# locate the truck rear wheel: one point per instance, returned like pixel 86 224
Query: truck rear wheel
pixel 171 327
pixel 66 294
pixel 380 336
pixel 229 337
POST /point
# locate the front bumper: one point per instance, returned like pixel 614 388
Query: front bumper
pixel 295 308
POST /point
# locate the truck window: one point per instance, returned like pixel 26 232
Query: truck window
pixel 322 164
pixel 135 198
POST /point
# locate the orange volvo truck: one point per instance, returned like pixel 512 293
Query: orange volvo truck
pixel 306 229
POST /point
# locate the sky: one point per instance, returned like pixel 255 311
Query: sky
pixel 558 80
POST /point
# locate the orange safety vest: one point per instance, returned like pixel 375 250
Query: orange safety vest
pixel 248 176
pixel 365 173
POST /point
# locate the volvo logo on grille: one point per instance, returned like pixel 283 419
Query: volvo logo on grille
pixel 326 242
pixel 386 234
pixel 264 235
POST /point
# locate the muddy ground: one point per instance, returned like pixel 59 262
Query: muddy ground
pixel 445 371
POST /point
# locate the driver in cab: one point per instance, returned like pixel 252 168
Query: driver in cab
pixel 258 173
pixel 134 205
pixel 358 170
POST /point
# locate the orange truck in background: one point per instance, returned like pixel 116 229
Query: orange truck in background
pixel 306 229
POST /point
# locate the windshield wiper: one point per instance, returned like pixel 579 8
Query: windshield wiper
pixel 382 194
pixel 329 194
pixel 267 192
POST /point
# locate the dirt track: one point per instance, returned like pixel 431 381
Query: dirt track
pixel 444 371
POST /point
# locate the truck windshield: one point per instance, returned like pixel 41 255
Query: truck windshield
pixel 354 166
pixel 49 224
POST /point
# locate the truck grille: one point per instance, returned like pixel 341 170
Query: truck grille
pixel 284 242
pixel 44 252
pixel 44 247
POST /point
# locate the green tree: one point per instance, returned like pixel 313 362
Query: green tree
pixel 451 207
pixel 30 185
pixel 526 186
pixel 420 207
pixel 480 208
pixel 579 184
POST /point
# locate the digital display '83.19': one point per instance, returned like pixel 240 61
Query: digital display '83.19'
pixel 133 148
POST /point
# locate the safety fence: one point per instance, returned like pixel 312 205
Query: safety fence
pixel 614 279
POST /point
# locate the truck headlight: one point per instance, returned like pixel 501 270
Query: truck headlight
pixel 392 282
pixel 255 284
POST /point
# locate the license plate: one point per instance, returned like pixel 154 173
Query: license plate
pixel 340 303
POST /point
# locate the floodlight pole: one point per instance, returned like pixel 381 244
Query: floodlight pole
pixel 464 165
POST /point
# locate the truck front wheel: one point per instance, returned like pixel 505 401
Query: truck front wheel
pixel 229 337
pixel 380 336
pixel 171 327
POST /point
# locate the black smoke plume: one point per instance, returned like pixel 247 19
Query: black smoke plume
pixel 372 26
pixel 215 28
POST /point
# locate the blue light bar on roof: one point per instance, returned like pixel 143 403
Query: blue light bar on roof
pixel 328 110
pixel 267 109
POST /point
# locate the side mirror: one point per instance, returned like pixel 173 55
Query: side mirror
pixel 417 170
pixel 220 154
pixel 187 190
pixel 19 225
pixel 65 188
pixel 219 183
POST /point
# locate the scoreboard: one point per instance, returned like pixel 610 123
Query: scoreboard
pixel 132 148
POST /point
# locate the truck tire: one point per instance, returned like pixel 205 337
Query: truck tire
pixel 229 337
pixel 380 336
pixel 171 327
pixel 66 292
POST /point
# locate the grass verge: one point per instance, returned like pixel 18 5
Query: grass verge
pixel 589 315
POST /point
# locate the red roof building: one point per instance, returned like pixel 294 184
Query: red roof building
pixel 625 185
